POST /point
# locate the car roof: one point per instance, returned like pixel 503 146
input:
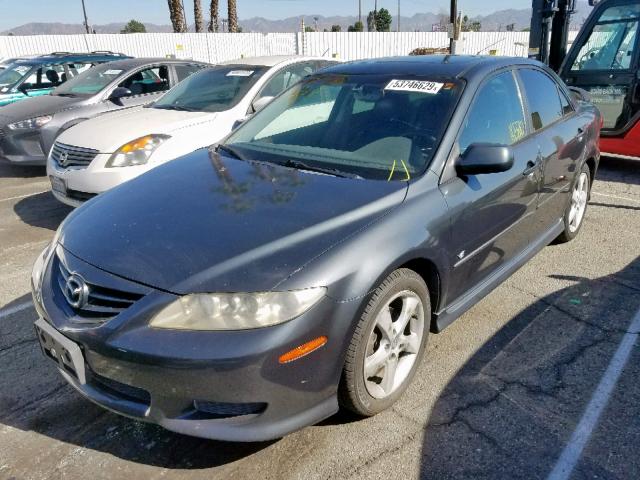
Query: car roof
pixel 453 66
pixel 129 63
pixel 64 57
pixel 272 60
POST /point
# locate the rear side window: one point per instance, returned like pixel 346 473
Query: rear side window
pixel 149 80
pixel 496 115
pixel 183 71
pixel 543 97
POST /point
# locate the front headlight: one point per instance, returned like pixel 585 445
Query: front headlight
pixel 236 311
pixel 31 123
pixel 136 152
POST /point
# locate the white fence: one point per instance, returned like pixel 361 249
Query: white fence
pixel 216 47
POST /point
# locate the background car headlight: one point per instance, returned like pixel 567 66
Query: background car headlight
pixel 136 152
pixel 236 311
pixel 30 123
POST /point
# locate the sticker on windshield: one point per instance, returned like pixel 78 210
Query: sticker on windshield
pixel 113 72
pixel 240 73
pixel 419 86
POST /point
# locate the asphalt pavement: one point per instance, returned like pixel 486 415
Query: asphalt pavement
pixel 538 379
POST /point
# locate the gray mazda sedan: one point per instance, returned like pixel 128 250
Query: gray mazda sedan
pixel 250 289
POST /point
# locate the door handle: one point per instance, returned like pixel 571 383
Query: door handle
pixel 531 167
pixel 580 134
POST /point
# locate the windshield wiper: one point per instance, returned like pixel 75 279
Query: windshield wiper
pixel 175 107
pixel 297 164
pixel 231 151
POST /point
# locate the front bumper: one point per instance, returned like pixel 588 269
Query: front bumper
pixel 218 385
pixel 22 147
pixel 83 183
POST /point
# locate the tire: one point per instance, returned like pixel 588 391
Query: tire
pixel 579 199
pixel 368 391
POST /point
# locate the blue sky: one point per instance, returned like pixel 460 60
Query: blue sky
pixel 16 13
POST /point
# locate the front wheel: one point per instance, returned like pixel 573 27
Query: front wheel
pixel 387 345
pixel 575 212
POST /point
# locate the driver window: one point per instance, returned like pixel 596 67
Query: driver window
pixel 487 124
pixel 611 44
pixel 149 80
pixel 45 77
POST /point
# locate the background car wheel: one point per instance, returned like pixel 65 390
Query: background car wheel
pixel 387 345
pixel 577 208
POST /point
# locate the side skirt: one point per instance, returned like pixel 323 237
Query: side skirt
pixel 446 317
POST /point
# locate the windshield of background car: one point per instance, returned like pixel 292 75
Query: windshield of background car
pixel 212 90
pixel 12 75
pixel 90 81
pixel 384 127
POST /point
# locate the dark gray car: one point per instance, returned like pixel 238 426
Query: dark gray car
pixel 29 128
pixel 245 291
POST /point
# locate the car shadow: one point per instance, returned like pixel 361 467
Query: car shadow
pixel 511 409
pixel 40 402
pixel 41 210
pixel 618 170
pixel 8 170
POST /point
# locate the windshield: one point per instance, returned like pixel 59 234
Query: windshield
pixel 12 75
pixel 374 126
pixel 212 90
pixel 90 81
pixel 611 43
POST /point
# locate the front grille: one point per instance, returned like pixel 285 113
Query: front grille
pixel 70 156
pixel 119 390
pixel 226 410
pixel 101 303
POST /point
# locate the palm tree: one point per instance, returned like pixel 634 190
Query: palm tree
pixel 213 24
pixel 233 16
pixel 197 15
pixel 176 13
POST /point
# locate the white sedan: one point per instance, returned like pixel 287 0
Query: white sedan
pixel 103 152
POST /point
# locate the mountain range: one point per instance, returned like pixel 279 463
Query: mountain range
pixel 521 18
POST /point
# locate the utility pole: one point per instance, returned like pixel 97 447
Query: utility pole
pixel 375 16
pixel 398 16
pixel 453 43
pixel 360 11
pixel 86 21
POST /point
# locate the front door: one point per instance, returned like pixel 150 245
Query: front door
pixel 492 215
pixel 603 61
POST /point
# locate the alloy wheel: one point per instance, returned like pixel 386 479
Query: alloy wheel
pixel 393 344
pixel 579 199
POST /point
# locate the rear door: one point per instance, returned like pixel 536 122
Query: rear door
pixel 560 137
pixel 604 61
pixel 492 215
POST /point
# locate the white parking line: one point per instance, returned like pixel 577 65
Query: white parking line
pixel 617 197
pixel 15 309
pixel 17 197
pixel 572 452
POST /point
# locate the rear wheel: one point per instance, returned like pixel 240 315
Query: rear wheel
pixel 575 212
pixel 387 345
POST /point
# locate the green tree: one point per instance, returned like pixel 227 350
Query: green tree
pixel 356 27
pixel 371 21
pixel 336 28
pixel 469 25
pixel 134 26
pixel 309 28
pixel 383 20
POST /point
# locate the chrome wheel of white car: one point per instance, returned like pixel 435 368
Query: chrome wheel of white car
pixel 393 344
pixel 579 200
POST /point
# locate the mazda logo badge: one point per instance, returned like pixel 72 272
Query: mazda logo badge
pixel 64 156
pixel 76 291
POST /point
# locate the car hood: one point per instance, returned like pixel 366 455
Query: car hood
pixel 35 107
pixel 208 223
pixel 108 132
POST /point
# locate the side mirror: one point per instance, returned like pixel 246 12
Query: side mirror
pixel 579 94
pixel 481 158
pixel 261 103
pixel 119 92
pixel 24 90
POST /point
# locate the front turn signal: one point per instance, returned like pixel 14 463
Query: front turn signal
pixel 302 350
